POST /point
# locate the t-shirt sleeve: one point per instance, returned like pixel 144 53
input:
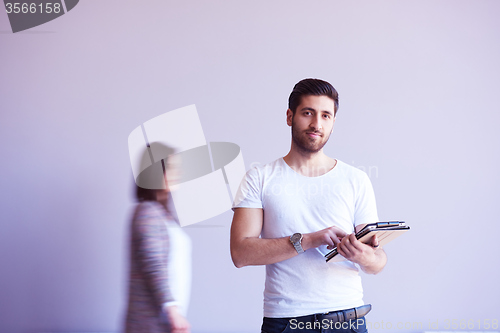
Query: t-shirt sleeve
pixel 365 208
pixel 249 192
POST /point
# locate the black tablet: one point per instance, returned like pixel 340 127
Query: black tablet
pixel 385 231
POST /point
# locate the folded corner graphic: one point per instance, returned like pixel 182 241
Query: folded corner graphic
pixel 202 178
pixel 29 14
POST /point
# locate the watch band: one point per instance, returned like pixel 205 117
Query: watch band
pixel 296 240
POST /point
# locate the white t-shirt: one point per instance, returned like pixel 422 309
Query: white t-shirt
pixel 342 197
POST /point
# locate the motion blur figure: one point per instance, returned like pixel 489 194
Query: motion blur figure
pixel 160 257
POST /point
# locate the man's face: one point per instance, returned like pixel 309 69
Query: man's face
pixel 312 123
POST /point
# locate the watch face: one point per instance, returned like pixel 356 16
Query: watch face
pixel 296 238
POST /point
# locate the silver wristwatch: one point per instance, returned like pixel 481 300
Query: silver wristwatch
pixel 296 240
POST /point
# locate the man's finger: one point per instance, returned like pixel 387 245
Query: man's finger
pixel 350 242
pixel 338 232
pixel 329 240
pixel 344 250
pixel 355 243
pixel 335 240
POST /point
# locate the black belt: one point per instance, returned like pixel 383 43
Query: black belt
pixel 345 315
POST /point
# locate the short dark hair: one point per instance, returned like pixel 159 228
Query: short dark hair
pixel 315 87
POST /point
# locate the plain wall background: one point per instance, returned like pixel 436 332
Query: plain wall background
pixel 418 84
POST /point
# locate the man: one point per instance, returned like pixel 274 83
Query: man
pixel 301 206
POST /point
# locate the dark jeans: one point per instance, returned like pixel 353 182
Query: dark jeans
pixel 312 324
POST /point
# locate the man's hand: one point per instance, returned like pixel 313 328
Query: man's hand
pixel 330 236
pixel 178 323
pixel 369 257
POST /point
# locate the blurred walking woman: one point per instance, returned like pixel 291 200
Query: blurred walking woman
pixel 160 260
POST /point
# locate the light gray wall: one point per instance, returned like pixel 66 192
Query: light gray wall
pixel 418 84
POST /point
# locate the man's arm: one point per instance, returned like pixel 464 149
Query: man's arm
pixel 370 258
pixel 248 249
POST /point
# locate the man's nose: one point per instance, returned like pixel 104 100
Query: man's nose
pixel 316 123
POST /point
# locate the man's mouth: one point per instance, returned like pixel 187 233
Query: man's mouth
pixel 313 134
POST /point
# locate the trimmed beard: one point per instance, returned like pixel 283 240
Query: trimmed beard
pixel 305 144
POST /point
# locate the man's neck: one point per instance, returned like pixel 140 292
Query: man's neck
pixel 309 164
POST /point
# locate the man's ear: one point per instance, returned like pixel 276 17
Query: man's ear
pixel 289 116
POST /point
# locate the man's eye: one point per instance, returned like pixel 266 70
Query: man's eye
pixel 327 116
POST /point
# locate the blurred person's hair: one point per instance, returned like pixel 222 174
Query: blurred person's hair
pixel 151 180
pixel 145 194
